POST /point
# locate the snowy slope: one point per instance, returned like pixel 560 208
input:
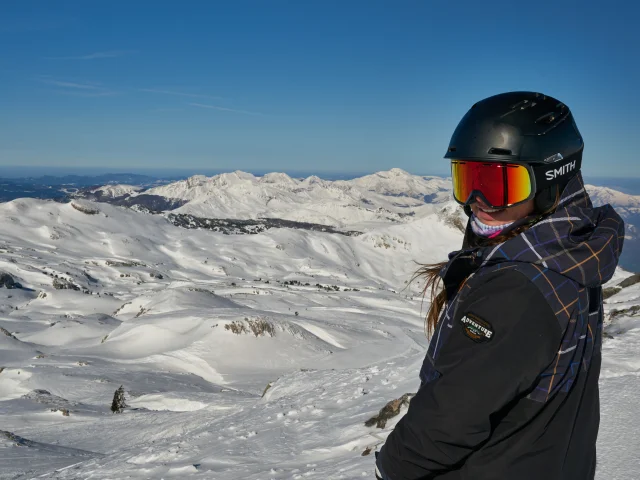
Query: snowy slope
pixel 197 324
pixel 156 310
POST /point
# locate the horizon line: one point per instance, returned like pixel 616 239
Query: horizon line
pixel 22 171
pixel 188 172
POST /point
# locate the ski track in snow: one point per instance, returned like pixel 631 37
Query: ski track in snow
pixel 163 327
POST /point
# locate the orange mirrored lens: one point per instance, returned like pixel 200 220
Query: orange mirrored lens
pixel 518 184
pixel 502 184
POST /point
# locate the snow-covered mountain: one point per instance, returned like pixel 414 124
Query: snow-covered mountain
pixel 114 191
pixel 244 356
pixel 628 207
pixel 393 196
pixel 364 202
pixel 602 195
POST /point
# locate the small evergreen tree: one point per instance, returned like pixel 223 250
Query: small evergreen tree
pixel 118 403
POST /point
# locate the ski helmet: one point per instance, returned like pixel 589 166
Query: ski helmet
pixel 529 129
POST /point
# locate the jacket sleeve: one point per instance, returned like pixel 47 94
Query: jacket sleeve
pixel 504 335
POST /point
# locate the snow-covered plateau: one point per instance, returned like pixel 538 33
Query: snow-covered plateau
pixel 254 349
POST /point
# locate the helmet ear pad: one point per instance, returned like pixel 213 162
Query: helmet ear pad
pixel 546 199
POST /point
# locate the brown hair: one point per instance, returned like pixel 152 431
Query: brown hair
pixel 430 272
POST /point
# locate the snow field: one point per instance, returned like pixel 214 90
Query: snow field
pixel 243 356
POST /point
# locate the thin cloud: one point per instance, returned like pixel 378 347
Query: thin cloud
pixel 81 86
pixel 105 93
pixel 180 94
pixel 224 109
pixel 78 89
pixel 96 55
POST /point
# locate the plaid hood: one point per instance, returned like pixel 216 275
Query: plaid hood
pixel 578 241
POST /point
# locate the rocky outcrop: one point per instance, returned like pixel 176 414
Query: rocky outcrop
pixel 230 226
pixel 627 282
pixel 53 402
pixel 7 333
pixel 260 327
pixel 632 280
pixel 7 281
pixel 390 410
pixel 85 208
pixel 62 284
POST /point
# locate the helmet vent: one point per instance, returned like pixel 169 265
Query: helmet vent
pixel 499 151
pixel 548 118
pixel 452 149
pixel 521 105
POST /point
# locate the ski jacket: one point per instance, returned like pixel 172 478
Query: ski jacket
pixel 509 385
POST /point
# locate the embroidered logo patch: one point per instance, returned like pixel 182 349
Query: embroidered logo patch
pixel 476 329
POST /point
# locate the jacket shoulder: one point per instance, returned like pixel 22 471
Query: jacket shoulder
pixel 504 294
pixel 564 296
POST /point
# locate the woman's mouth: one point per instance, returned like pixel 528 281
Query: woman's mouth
pixel 490 210
pixel 487 214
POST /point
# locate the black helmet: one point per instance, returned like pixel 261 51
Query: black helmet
pixel 523 127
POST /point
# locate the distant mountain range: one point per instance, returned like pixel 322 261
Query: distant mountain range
pixel 360 204
pixel 58 188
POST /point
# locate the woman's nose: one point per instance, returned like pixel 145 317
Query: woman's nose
pixel 480 202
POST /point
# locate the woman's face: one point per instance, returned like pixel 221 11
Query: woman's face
pixel 493 217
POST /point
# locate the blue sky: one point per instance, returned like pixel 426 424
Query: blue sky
pixel 305 86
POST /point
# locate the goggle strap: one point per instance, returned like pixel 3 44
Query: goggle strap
pixel 558 172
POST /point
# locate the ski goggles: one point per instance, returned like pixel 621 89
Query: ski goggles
pixel 498 184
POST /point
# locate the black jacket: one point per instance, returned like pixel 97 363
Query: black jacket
pixel 509 386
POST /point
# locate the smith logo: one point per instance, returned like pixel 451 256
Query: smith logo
pixel 553 158
pixel 476 329
pixel 563 170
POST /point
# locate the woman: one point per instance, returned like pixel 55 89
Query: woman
pixel 509 385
